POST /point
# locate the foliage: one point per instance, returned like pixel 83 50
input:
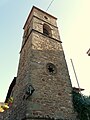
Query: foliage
pixel 10 100
pixel 82 105
pixel 5 106
pixel 1 109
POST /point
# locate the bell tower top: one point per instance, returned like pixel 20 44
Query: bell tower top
pixel 41 22
pixel 40 14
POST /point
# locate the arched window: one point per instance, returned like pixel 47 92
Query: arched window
pixel 46 30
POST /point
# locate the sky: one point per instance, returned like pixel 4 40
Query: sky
pixel 74 28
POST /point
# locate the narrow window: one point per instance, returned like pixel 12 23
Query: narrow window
pixel 46 17
pixel 46 30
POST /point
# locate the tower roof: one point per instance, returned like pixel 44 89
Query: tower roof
pixel 33 8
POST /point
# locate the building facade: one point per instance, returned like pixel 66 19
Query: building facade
pixel 43 87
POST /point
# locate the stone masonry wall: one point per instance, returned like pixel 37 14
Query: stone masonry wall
pixel 52 92
pixel 52 98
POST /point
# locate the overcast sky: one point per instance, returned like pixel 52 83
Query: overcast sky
pixel 74 27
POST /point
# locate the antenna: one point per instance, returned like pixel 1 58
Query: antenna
pixel 78 84
pixel 49 5
pixel 76 76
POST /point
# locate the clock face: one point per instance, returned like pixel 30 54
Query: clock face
pixel 51 68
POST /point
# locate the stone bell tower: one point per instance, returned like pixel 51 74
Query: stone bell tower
pixel 43 88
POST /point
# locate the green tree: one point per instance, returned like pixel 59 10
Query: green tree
pixel 82 105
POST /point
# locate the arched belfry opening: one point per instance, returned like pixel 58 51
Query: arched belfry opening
pixel 47 30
